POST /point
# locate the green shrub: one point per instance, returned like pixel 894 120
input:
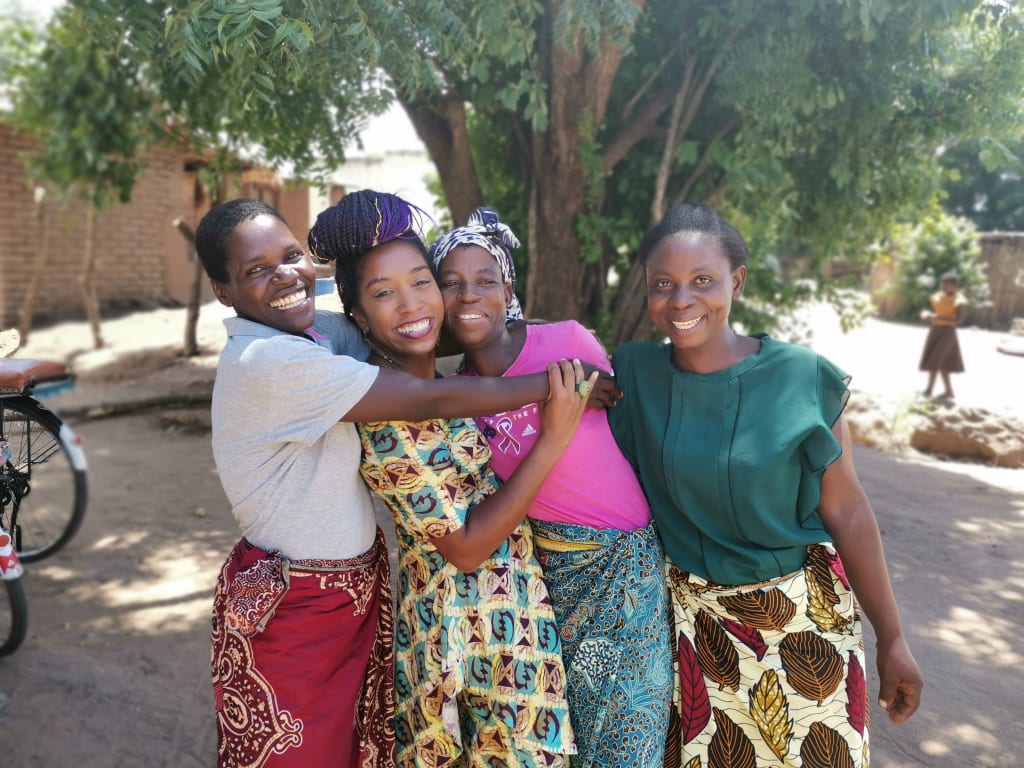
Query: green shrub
pixel 924 251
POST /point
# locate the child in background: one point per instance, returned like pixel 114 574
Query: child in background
pixel 941 354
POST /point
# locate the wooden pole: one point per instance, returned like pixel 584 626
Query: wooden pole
pixel 191 346
pixel 38 265
pixel 88 277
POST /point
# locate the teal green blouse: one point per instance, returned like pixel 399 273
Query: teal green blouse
pixel 731 461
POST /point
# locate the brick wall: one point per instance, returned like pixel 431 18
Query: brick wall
pixel 134 243
pixel 1003 253
pixel 141 259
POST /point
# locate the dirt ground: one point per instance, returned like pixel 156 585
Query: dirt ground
pixel 114 671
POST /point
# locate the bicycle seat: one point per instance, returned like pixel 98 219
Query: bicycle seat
pixel 18 375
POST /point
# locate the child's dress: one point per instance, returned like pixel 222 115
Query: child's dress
pixel 941 346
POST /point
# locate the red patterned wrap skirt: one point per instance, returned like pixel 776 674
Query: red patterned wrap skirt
pixel 302 661
pixel 770 674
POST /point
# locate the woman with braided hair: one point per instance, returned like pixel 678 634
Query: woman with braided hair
pixel 602 560
pixel 745 456
pixel 479 679
pixel 302 628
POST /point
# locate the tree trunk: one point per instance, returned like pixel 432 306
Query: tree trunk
pixel 442 127
pixel 630 308
pixel 88 285
pixel 191 343
pixel 580 82
pixel 556 200
pixel 42 249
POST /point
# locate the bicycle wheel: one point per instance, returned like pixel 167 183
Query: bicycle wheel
pixel 42 483
pixel 13 615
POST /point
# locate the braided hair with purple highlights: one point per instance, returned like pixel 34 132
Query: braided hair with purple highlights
pixel 347 231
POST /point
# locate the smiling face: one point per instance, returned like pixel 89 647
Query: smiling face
pixel 690 288
pixel 270 277
pixel 399 304
pixel 475 296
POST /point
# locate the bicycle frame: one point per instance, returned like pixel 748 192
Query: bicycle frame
pixel 16 484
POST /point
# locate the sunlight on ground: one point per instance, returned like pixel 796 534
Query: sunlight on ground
pixel 170 587
pixel 124 540
pixel 978 637
pixel 133 332
pixel 176 588
pixel 1000 528
pixel 961 734
pixel 56 573
pixel 1007 479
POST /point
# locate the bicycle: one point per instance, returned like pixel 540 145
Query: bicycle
pixel 43 489
pixel 13 604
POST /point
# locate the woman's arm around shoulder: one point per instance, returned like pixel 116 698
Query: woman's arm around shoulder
pixel 399 396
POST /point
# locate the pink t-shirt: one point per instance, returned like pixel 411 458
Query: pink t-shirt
pixel 592 484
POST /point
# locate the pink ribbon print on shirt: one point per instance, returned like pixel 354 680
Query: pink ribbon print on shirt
pixel 508 443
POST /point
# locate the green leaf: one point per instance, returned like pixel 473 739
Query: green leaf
pixel 687 152
pixel 225 20
pixel 284 30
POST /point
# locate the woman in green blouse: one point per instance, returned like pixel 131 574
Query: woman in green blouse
pixel 742 449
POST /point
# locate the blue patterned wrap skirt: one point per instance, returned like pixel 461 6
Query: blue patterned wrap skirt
pixel 612 608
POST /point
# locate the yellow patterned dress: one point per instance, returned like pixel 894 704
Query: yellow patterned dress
pixel 479 679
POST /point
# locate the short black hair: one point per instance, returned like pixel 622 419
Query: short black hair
pixel 218 224
pixel 949 277
pixel 690 219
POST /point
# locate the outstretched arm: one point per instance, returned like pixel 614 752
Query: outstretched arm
pixel 850 520
pixel 398 396
pixel 491 521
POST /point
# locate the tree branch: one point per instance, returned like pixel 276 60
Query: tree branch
pixel 702 166
pixel 671 142
pixel 631 104
pixel 641 127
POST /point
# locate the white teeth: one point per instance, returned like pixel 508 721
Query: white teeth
pixel 413 328
pixel 471 317
pixel 688 325
pixel 290 301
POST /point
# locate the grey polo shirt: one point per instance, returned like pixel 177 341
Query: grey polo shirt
pixel 289 467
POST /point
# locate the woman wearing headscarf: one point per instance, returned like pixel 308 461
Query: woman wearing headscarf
pixel 592 525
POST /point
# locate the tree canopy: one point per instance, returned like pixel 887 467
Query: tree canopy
pixel 812 125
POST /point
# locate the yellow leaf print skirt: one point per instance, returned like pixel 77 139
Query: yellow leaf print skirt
pixel 769 674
